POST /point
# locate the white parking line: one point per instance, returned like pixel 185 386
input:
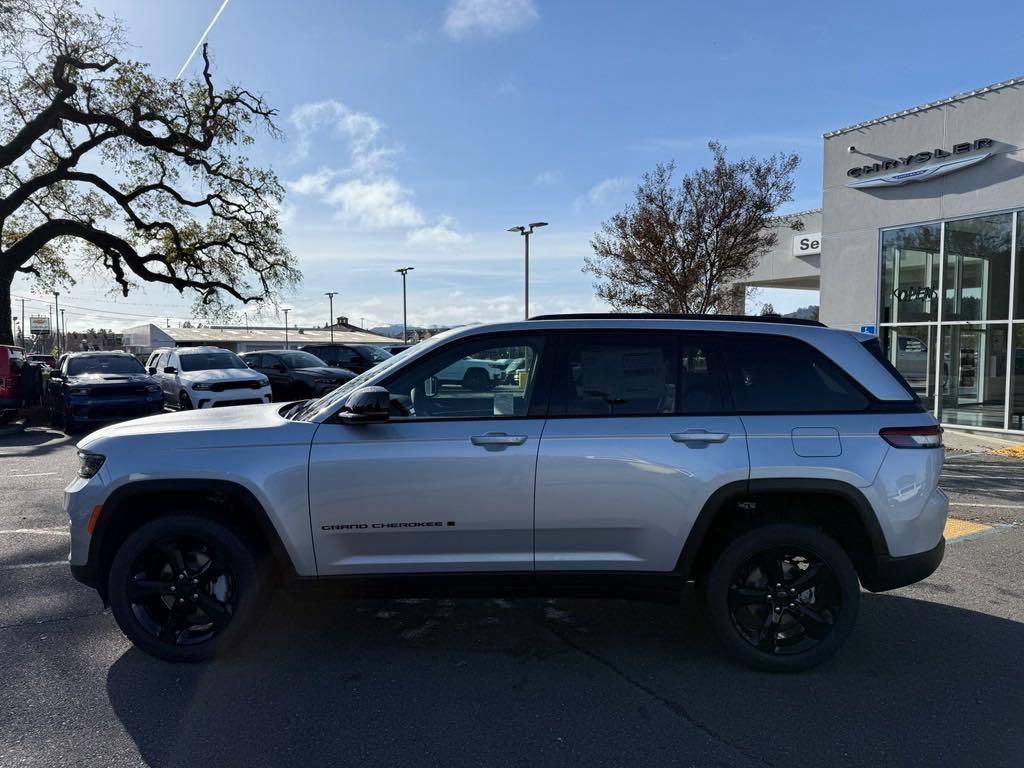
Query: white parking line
pixel 35 474
pixel 33 565
pixel 39 531
pixel 983 504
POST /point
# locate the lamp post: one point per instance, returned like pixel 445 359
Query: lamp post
pixel 330 295
pixel 64 328
pixel 56 312
pixel 526 232
pixel 403 271
pixel 286 311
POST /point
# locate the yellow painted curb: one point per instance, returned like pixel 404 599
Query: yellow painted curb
pixel 1015 451
pixel 956 529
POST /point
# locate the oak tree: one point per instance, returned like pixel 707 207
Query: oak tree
pixel 107 167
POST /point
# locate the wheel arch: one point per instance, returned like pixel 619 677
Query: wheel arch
pixel 740 505
pixel 233 503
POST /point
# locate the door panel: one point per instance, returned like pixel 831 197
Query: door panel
pixel 622 494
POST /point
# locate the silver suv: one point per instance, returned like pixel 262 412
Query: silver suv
pixel 778 465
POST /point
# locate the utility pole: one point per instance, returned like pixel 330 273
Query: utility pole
pixel 330 296
pixel 526 232
pixel 56 312
pixel 23 324
pixel 286 311
pixel 405 322
pixel 64 325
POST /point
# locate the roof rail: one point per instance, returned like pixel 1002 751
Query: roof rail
pixel 669 316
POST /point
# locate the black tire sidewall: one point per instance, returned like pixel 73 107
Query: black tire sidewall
pixel 249 576
pixel 768 536
pixel 184 401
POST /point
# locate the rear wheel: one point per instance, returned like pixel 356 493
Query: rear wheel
pixel 183 587
pixel 783 597
pixel 476 379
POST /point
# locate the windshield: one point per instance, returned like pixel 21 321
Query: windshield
pixel 104 364
pixel 210 361
pixel 300 360
pixel 332 399
pixel 378 354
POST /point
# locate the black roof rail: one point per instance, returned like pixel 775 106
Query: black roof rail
pixel 669 316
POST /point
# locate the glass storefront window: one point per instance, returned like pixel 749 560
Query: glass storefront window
pixel 976 281
pixel 910 273
pixel 973 388
pixel 1018 311
pixel 911 349
pixel 1017 385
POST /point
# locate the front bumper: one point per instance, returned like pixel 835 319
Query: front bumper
pixel 99 409
pixel 205 398
pixel 893 572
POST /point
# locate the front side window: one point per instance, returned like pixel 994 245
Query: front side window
pixel 299 360
pixel 617 374
pixel 779 374
pixel 117 364
pixel 470 381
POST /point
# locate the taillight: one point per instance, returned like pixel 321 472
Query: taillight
pixel 912 437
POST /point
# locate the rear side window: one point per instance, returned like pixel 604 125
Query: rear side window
pixel 778 374
pixel 875 348
pixel 702 378
pixel 624 374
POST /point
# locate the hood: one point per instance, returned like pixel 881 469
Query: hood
pixel 334 373
pixel 223 374
pixel 99 379
pixel 244 425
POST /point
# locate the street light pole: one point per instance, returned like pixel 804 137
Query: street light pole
pixel 330 295
pixel 64 327
pixel 56 313
pixel 286 311
pixel 405 323
pixel 526 232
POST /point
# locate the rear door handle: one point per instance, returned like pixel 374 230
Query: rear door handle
pixel 699 436
pixel 497 438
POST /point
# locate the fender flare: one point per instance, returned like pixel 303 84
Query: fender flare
pixel 719 501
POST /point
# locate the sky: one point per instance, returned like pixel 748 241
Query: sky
pixel 416 133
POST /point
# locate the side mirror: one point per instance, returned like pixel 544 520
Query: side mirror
pixel 151 370
pixel 369 405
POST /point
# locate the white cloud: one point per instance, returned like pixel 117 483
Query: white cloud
pixel 374 204
pixel 312 183
pixel 548 178
pixel 466 18
pixel 368 154
pixel 604 192
pixel 442 235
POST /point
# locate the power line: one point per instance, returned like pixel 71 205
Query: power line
pixel 101 311
pixel 203 37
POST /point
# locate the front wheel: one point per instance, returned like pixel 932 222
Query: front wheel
pixel 183 587
pixel 184 401
pixel 783 597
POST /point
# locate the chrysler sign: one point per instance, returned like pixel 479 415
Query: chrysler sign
pixel 906 169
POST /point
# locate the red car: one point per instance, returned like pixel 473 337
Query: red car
pixel 11 359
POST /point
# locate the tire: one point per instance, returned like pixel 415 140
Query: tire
pixel 231 584
pixel 783 628
pixel 56 420
pixel 184 401
pixel 476 379
pixel 68 422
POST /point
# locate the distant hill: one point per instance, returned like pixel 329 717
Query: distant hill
pixel 395 330
pixel 804 313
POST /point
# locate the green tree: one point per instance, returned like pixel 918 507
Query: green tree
pixel 105 167
pixel 681 248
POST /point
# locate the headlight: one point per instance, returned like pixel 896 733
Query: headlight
pixel 200 386
pixel 89 463
pixel 264 382
pixel 78 391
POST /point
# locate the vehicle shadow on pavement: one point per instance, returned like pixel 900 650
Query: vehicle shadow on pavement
pixel 575 682
pixel 34 442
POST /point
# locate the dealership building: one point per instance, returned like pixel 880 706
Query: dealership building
pixel 920 239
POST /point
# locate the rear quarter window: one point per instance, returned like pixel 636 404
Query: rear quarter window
pixel 780 374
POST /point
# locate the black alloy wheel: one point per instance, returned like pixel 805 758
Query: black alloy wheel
pixel 783 597
pixel 183 587
pixel 184 401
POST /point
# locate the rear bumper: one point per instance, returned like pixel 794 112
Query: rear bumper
pixel 893 572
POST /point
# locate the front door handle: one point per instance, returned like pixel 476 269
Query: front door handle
pixel 497 438
pixel 699 436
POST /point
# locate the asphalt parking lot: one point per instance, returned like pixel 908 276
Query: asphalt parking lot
pixel 930 677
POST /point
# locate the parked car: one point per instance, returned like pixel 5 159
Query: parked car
pixel 11 358
pixel 778 464
pixel 473 374
pixel 206 377
pixel 91 387
pixel 357 358
pixel 394 349
pixel 296 375
pixel 48 360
